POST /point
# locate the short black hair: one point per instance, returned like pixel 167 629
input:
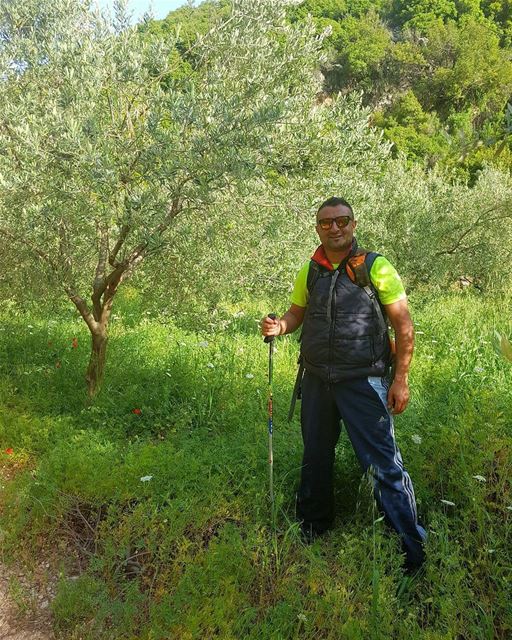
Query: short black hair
pixel 334 202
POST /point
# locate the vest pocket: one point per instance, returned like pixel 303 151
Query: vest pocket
pixel 356 351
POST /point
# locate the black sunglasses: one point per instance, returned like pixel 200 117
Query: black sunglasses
pixel 341 221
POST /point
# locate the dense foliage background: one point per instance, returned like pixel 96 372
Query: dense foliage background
pixel 437 75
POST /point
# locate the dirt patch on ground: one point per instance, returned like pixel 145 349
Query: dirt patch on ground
pixel 25 604
pixel 25 596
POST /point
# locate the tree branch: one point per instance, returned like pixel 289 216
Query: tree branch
pixel 175 208
pixel 99 283
pixel 82 307
pixel 123 234
pixel 481 218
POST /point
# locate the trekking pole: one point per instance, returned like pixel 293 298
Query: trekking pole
pixel 270 340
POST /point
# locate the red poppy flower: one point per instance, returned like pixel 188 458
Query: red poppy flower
pixel 136 411
pixel 9 451
pixel 74 344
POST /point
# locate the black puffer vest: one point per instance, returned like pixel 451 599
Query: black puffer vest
pixel 342 336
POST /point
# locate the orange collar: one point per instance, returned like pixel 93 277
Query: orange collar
pixel 320 257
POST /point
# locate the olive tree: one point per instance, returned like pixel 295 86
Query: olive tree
pixel 103 144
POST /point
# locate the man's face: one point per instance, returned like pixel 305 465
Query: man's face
pixel 336 239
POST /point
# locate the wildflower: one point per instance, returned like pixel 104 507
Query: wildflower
pixel 74 344
pixel 249 376
pixel 210 365
pixel 203 344
pixel 416 438
pixel 478 369
pixel 137 412
pixel 146 478
pixel 448 502
pixel 9 451
pixel 480 478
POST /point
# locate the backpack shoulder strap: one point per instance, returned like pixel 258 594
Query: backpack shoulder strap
pixel 313 275
pixel 359 265
pixel 358 269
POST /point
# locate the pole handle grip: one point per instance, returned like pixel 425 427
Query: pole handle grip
pixel 267 339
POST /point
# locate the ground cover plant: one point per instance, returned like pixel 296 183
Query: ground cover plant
pixel 156 495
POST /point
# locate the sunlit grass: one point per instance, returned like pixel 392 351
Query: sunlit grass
pixel 160 488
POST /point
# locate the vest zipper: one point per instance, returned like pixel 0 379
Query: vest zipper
pixel 331 310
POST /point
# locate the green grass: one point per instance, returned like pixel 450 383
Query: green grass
pixel 191 553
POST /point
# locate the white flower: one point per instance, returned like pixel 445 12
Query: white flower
pixel 448 502
pixel 478 369
pixel 480 478
pixel 249 376
pixel 416 438
pixel 210 365
pixel 301 617
pixel 203 344
pixel 146 478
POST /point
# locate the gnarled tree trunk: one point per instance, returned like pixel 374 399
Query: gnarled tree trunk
pixel 96 367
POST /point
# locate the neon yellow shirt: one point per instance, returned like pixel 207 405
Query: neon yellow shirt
pixel 383 276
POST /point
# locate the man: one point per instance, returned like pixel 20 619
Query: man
pixel 346 354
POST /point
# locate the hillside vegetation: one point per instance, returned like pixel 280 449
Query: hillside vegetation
pixel 438 75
